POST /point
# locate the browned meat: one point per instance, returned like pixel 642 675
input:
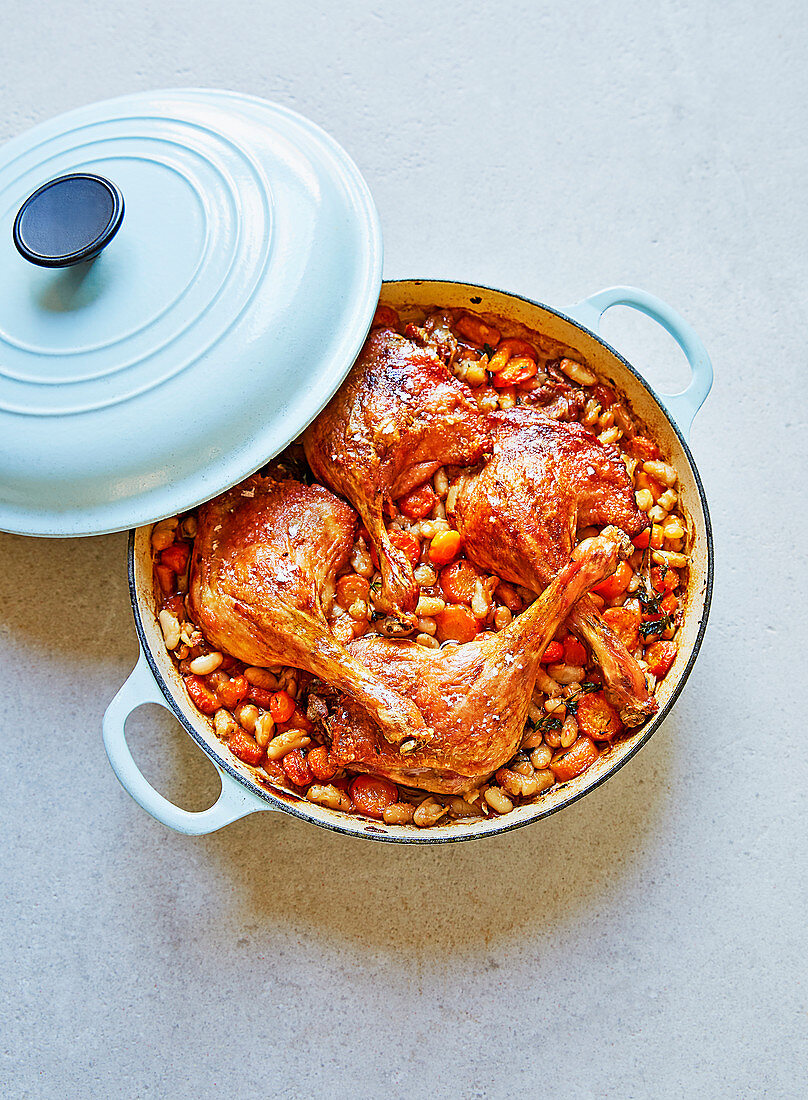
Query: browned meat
pixel 396 419
pixel 475 696
pixel 264 563
pixel 518 517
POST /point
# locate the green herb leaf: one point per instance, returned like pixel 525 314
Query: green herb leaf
pixel 585 688
pixel 549 723
pixel 489 351
pixel 649 599
pixel 656 626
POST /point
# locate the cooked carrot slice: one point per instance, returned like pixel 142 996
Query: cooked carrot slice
pixel 580 756
pixel 659 657
pixel 372 795
pixel 351 588
pixel 616 583
pixel 201 694
pixel 625 623
pixel 456 624
pixel 419 503
pixel 245 747
pixel 458 581
pixel 597 718
pixel 444 547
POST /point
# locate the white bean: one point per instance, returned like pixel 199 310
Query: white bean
pixel 498 800
pixel 261 677
pixel 430 606
pixel 660 471
pixel 169 624
pixel 328 795
pixel 208 662
pixel 566 674
pixel 577 372
pixel 285 742
pixel 263 729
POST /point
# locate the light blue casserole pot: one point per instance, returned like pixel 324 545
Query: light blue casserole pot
pixel 155 678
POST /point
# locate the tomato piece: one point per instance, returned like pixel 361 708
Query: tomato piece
pixel 553 653
pixel 296 768
pixel 166 578
pixel 298 721
pixel 574 652
pixel 656 620
pixel 372 795
pixel 385 317
pixel 664 580
pixel 643 448
pixel 456 624
pixel 204 699
pixel 176 605
pixel 518 348
pixel 641 541
pixel 232 692
pixel 320 764
pixel 351 588
pixel 281 706
pixel 659 657
pixel 603 395
pixel 477 331
pixel 625 624
pixel 612 586
pixel 515 372
pixel 507 594
pixel 176 557
pixel 444 547
pixel 419 503
pixel 597 717
pixel 243 746
pixel 405 542
pixel 669 604
pixel 458 581
pixel 262 697
pixel 642 480
pixel 581 755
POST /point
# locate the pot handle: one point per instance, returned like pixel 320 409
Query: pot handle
pixel 682 406
pixel 233 801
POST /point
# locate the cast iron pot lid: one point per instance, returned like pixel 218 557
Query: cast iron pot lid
pixel 185 279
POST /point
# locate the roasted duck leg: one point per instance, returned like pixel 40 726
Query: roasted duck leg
pixel 398 417
pixel 518 517
pixel 475 696
pixel 265 559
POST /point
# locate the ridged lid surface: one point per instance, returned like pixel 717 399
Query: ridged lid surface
pixel 215 325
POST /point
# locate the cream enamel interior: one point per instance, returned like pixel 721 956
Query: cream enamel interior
pixel 610 369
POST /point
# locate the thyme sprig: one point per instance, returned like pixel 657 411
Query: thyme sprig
pixel 656 626
pixel 585 688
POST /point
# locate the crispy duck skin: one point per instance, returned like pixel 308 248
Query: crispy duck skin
pixel 518 517
pixel 475 695
pixel 397 418
pixel 265 558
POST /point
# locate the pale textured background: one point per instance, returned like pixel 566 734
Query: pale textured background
pixel 650 940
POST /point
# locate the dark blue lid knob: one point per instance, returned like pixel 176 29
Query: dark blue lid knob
pixel 68 220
